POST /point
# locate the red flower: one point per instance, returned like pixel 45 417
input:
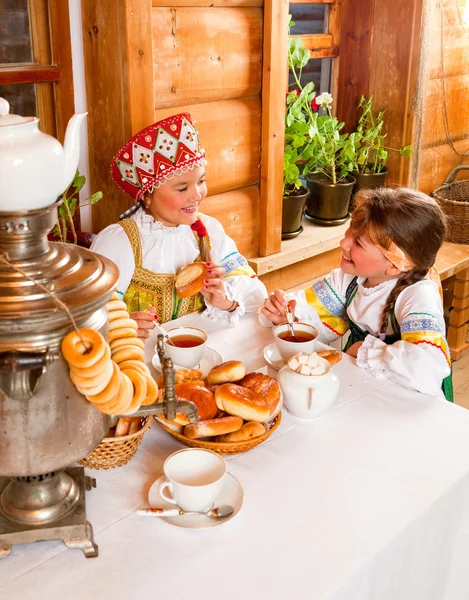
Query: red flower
pixel 199 228
pixel 314 105
pixel 296 90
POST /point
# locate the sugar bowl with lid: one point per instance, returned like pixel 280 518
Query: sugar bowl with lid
pixel 309 385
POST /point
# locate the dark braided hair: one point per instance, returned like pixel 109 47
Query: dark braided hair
pixel 408 218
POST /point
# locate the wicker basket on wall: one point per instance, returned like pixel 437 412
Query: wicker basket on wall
pixel 453 197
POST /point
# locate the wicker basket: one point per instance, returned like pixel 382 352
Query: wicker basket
pixel 116 451
pixel 224 447
pixel 453 197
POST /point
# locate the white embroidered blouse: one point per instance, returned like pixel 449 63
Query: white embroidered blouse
pixel 169 249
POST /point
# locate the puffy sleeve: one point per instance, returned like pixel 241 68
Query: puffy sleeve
pixel 241 283
pixel 421 359
pixel 323 305
pixel 113 243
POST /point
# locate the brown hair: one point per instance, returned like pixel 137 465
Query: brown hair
pixel 410 219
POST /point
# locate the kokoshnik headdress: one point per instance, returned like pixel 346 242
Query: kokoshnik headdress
pixel 157 153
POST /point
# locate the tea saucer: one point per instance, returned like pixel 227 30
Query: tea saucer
pixel 272 357
pixel 232 494
pixel 210 359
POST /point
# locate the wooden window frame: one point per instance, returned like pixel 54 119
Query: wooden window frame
pixel 51 49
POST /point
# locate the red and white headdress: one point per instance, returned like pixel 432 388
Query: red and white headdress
pixel 167 148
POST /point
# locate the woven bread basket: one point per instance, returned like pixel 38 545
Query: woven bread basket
pixel 453 198
pixel 116 451
pixel 224 447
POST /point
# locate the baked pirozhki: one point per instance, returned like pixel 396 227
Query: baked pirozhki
pixel 212 427
pixel 332 356
pixel 248 431
pixel 242 402
pixel 227 372
pixel 190 280
pixel 264 385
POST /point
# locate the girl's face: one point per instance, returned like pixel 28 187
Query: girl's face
pixel 362 258
pixel 177 201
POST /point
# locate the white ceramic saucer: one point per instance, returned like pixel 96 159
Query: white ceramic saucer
pixel 210 359
pixel 272 357
pixel 232 494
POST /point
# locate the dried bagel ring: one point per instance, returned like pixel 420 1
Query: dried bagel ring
pixel 140 389
pixel 115 296
pixel 117 314
pixel 121 402
pixel 110 390
pixel 83 355
pixel 152 390
pixel 116 305
pixel 122 332
pixel 93 385
pixel 137 365
pixel 119 323
pixel 128 353
pixel 129 341
pixel 96 369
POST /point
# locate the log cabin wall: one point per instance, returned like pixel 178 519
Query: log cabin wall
pixel 444 136
pixel 145 60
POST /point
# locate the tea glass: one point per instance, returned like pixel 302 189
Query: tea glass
pixel 187 357
pixel 288 349
pixel 194 478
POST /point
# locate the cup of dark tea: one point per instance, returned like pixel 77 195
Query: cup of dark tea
pixel 185 346
pixel 289 344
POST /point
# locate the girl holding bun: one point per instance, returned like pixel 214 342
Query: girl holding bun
pixel 386 292
pixel 163 169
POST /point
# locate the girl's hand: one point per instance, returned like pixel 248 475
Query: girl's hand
pixel 354 348
pixel 145 321
pixel 214 291
pixel 274 307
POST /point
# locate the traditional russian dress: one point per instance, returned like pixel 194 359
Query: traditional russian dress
pixel 149 255
pixel 414 352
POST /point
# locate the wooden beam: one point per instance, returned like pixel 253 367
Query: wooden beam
pixel 203 3
pixel 275 72
pixel 28 74
pixel 316 40
pixel 315 2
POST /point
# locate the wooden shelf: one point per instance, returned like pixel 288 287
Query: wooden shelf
pixel 313 241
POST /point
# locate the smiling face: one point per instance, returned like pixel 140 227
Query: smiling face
pixel 176 202
pixel 362 258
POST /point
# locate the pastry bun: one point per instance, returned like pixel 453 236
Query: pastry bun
pixel 190 279
pixel 231 370
pixel 200 396
pixel 212 427
pixel 248 431
pixel 242 402
pixel 264 385
pixel 332 356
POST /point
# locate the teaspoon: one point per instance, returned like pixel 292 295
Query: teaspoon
pixel 220 512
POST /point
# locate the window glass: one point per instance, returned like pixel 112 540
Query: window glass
pixel 15 35
pixel 22 98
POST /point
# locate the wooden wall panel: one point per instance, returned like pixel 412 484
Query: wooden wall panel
pixel 203 55
pixel 455 38
pixel 230 133
pixel 438 161
pixel 238 212
pixel 212 3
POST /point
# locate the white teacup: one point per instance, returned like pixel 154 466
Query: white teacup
pixel 194 478
pixel 286 348
pixel 189 354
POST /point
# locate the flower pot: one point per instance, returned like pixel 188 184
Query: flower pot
pixel 328 203
pixel 292 213
pixel 367 180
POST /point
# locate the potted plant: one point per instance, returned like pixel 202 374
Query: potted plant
pixel 372 155
pixel 65 230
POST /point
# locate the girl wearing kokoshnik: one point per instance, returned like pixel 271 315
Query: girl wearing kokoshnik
pixel 386 292
pixel 163 169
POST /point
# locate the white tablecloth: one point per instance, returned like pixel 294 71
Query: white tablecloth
pixel 369 501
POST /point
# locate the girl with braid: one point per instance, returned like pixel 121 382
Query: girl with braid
pixel 386 292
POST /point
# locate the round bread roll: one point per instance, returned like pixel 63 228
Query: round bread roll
pixel 264 385
pixel 242 402
pixel 231 370
pixel 212 427
pixel 190 279
pixel 248 431
pixel 200 396
pixel 332 356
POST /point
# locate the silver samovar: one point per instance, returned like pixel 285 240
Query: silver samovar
pixel 45 423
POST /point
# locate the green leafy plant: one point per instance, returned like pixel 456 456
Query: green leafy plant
pixel 69 205
pixel 372 154
pixel 313 142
